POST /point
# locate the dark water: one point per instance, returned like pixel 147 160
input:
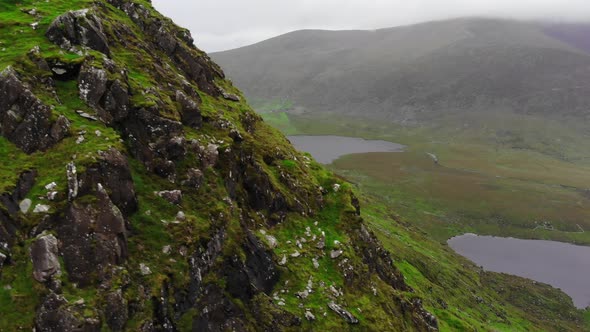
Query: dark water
pixel 326 149
pixel 561 265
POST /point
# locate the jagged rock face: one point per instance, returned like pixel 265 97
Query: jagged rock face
pixel 189 110
pixel 94 239
pixel 24 119
pixel 113 173
pixel 108 97
pixel 257 274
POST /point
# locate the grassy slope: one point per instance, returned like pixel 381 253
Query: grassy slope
pixel 151 226
pixel 484 185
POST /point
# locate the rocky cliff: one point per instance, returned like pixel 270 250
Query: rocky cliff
pixel 141 192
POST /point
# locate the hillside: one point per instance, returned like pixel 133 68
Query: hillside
pixel 140 192
pixel 419 73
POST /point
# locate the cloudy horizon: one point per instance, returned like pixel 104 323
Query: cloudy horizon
pixel 226 24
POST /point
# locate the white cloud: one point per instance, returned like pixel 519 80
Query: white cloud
pixel 225 24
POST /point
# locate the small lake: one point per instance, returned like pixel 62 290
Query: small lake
pixel 326 149
pixel 561 265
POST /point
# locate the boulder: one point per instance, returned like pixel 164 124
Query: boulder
pixel 210 155
pixel 347 316
pixel 230 96
pixel 189 110
pixel 172 196
pixel 194 178
pixel 41 208
pixel 94 238
pixel 44 254
pixel 25 120
pixel 81 27
pixel 335 253
pixel 25 205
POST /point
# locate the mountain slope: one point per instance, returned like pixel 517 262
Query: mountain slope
pixel 141 193
pixel 421 72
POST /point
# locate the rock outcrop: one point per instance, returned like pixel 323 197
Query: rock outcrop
pixel 24 119
pixel 79 27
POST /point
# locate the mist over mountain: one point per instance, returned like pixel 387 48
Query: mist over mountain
pixel 419 72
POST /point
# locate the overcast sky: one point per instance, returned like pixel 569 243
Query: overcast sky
pixel 225 24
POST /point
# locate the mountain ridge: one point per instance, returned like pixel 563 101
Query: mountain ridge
pixel 401 74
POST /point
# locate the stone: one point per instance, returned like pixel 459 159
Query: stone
pixel 26 120
pixel 80 139
pixel 316 264
pixel 296 254
pixel 303 294
pixel 172 196
pixel 235 135
pixel 51 186
pixel 194 178
pixel 81 27
pixel 87 116
pixel 44 253
pixel 144 269
pixel 180 216
pixel 167 249
pixel 211 155
pixel 309 316
pixel 321 242
pixel 190 113
pixel 72 178
pixel 25 205
pixel 52 195
pixel 55 314
pixel 41 208
pixel 93 237
pixel 336 187
pixel 336 253
pixel 272 241
pixel 335 292
pixel 347 316
pixel 231 96
pixel 283 260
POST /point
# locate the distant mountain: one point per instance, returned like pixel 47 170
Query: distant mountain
pixel 413 73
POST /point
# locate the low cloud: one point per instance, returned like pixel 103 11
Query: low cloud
pixel 225 24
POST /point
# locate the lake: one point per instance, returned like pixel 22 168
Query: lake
pixel 326 149
pixel 561 265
